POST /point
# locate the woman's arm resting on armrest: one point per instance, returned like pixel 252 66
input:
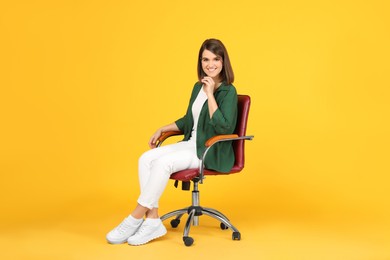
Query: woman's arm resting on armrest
pixel 159 133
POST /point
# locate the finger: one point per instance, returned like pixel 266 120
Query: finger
pixel 207 83
pixel 209 79
pixel 152 144
pixel 152 141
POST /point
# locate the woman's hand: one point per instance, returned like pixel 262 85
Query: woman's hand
pixel 158 133
pixel 208 85
pixel 154 138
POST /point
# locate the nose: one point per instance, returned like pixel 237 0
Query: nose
pixel 210 64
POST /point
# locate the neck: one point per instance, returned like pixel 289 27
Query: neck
pixel 218 82
pixel 217 85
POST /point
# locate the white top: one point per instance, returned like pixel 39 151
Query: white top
pixel 196 108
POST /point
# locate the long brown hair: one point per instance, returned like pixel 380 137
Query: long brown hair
pixel 216 47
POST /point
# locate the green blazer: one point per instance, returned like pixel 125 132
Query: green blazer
pixel 221 156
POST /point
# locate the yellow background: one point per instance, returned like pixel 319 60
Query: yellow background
pixel 85 83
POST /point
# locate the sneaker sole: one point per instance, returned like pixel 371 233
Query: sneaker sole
pixel 116 242
pixel 160 233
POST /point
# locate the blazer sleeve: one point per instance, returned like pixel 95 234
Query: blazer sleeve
pixel 225 117
pixel 180 123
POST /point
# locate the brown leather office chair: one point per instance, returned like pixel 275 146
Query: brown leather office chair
pixel 197 175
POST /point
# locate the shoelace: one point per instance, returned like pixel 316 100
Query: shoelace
pixel 123 227
pixel 142 229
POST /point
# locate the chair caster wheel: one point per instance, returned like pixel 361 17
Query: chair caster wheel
pixel 223 226
pixel 236 236
pixel 175 223
pixel 188 241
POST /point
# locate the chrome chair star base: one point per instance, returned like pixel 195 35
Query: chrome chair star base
pixel 194 211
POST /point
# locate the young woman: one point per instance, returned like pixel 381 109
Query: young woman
pixel 212 110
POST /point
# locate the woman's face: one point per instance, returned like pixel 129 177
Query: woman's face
pixel 211 64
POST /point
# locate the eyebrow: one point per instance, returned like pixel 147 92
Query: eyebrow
pixel 216 57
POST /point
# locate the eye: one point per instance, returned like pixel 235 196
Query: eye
pixel 205 59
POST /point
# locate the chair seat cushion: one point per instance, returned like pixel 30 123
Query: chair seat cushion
pixel 189 174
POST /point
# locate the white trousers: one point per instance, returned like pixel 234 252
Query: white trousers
pixel 156 166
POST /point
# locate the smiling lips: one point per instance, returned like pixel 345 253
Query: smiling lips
pixel 211 69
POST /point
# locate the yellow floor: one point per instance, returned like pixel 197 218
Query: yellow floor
pixel 77 231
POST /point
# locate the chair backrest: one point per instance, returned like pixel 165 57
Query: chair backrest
pixel 244 103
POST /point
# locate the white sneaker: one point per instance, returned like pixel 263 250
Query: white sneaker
pixel 122 232
pixel 147 232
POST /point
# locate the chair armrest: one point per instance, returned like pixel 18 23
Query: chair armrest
pixel 218 138
pixel 165 135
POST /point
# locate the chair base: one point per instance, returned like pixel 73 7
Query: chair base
pixel 194 212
